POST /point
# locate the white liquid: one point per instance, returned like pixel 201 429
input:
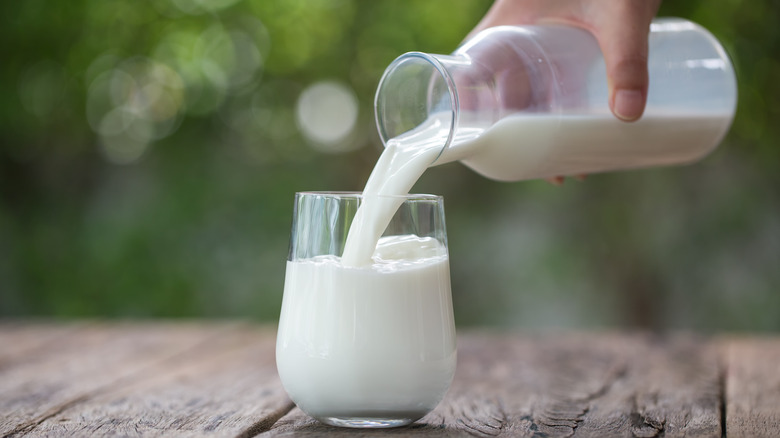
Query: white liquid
pixel 528 147
pixel 370 342
pixel 398 168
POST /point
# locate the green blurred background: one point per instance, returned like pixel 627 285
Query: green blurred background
pixel 150 150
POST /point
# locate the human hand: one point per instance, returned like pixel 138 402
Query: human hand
pixel 620 27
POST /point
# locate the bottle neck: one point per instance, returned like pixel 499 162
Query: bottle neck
pixel 417 98
pixel 450 100
pixel 454 98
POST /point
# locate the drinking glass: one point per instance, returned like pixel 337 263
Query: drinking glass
pixel 369 346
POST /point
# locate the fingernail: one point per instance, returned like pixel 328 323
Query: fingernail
pixel 628 104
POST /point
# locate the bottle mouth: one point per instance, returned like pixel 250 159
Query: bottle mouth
pixel 416 97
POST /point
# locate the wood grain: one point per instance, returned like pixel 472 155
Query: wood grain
pixel 219 379
pixel 569 385
pixel 20 339
pixel 71 369
pixel 752 387
pixel 226 387
pixel 93 376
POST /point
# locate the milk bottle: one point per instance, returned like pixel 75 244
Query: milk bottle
pixel 517 103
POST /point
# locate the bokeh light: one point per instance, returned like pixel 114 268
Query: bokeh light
pixel 133 104
pixel 326 113
pixel 213 62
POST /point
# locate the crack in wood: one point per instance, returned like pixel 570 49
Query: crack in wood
pixel 642 424
pixel 557 424
pixel 722 394
pixel 645 427
pixel 29 426
pixel 562 415
pixel 751 386
pixel 481 418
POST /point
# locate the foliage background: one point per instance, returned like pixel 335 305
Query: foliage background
pixel 150 150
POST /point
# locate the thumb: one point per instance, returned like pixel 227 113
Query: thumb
pixel 624 44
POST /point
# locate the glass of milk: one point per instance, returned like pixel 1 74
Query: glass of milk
pixel 373 345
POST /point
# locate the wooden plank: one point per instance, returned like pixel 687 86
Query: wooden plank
pixel 668 387
pixel 21 339
pixel 228 387
pixel 80 366
pixel 569 385
pixel 752 387
pixel 220 379
pixel 487 366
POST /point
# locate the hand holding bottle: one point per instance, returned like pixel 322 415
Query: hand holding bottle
pixel 539 100
pixel 620 27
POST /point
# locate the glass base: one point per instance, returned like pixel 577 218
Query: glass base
pixel 366 422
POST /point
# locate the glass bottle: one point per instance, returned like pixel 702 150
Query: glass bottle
pixel 525 102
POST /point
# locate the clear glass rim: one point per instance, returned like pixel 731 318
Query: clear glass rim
pixel 359 195
pixel 451 90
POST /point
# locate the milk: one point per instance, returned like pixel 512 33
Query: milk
pixel 376 341
pixel 398 168
pixel 522 147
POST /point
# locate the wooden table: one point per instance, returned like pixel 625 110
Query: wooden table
pixel 219 379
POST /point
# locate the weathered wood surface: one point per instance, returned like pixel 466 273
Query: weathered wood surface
pixel 219 379
pixel 564 385
pixel 143 380
pixel 752 385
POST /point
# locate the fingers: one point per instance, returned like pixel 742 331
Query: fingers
pixel 622 34
pixel 625 55
pixel 620 26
